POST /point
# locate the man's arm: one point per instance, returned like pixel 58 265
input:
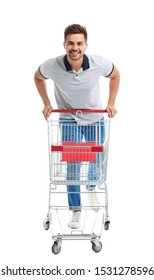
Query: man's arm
pixel 41 87
pixel 113 90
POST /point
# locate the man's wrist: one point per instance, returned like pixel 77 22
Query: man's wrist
pixel 47 103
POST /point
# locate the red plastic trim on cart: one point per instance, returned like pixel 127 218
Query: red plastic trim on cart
pixel 74 152
pixel 79 111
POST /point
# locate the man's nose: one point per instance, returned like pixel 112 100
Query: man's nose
pixel 75 46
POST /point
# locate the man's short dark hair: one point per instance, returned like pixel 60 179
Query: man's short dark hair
pixel 75 29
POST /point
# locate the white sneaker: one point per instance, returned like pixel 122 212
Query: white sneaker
pixel 74 222
pixel 93 199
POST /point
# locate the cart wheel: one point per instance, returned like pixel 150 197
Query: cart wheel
pixel 96 248
pixel 106 225
pixel 46 224
pixel 55 248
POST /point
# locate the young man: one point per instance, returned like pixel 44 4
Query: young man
pixel 76 78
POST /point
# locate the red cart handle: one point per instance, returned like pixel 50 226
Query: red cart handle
pixel 79 111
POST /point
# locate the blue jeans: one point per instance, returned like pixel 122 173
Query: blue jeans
pixel 72 132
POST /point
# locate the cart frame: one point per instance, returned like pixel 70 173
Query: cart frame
pixel 60 153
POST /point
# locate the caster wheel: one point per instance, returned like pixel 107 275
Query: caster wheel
pixel 106 225
pixel 46 225
pixel 55 248
pixel 96 248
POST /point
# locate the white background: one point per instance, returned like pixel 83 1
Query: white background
pixel 31 32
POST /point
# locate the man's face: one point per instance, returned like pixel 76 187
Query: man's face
pixel 75 46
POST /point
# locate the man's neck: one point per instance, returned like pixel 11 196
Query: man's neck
pixel 76 65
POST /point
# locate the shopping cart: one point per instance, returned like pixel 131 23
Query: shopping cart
pixel 76 160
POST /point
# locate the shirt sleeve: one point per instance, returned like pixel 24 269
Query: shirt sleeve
pixel 110 72
pixel 106 65
pixel 46 68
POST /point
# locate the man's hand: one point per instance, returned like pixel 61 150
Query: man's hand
pixel 47 111
pixel 111 111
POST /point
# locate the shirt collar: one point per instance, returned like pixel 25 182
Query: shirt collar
pixel 85 64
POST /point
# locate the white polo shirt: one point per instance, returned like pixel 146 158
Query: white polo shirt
pixel 77 90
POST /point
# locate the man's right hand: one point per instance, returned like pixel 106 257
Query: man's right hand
pixel 47 111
